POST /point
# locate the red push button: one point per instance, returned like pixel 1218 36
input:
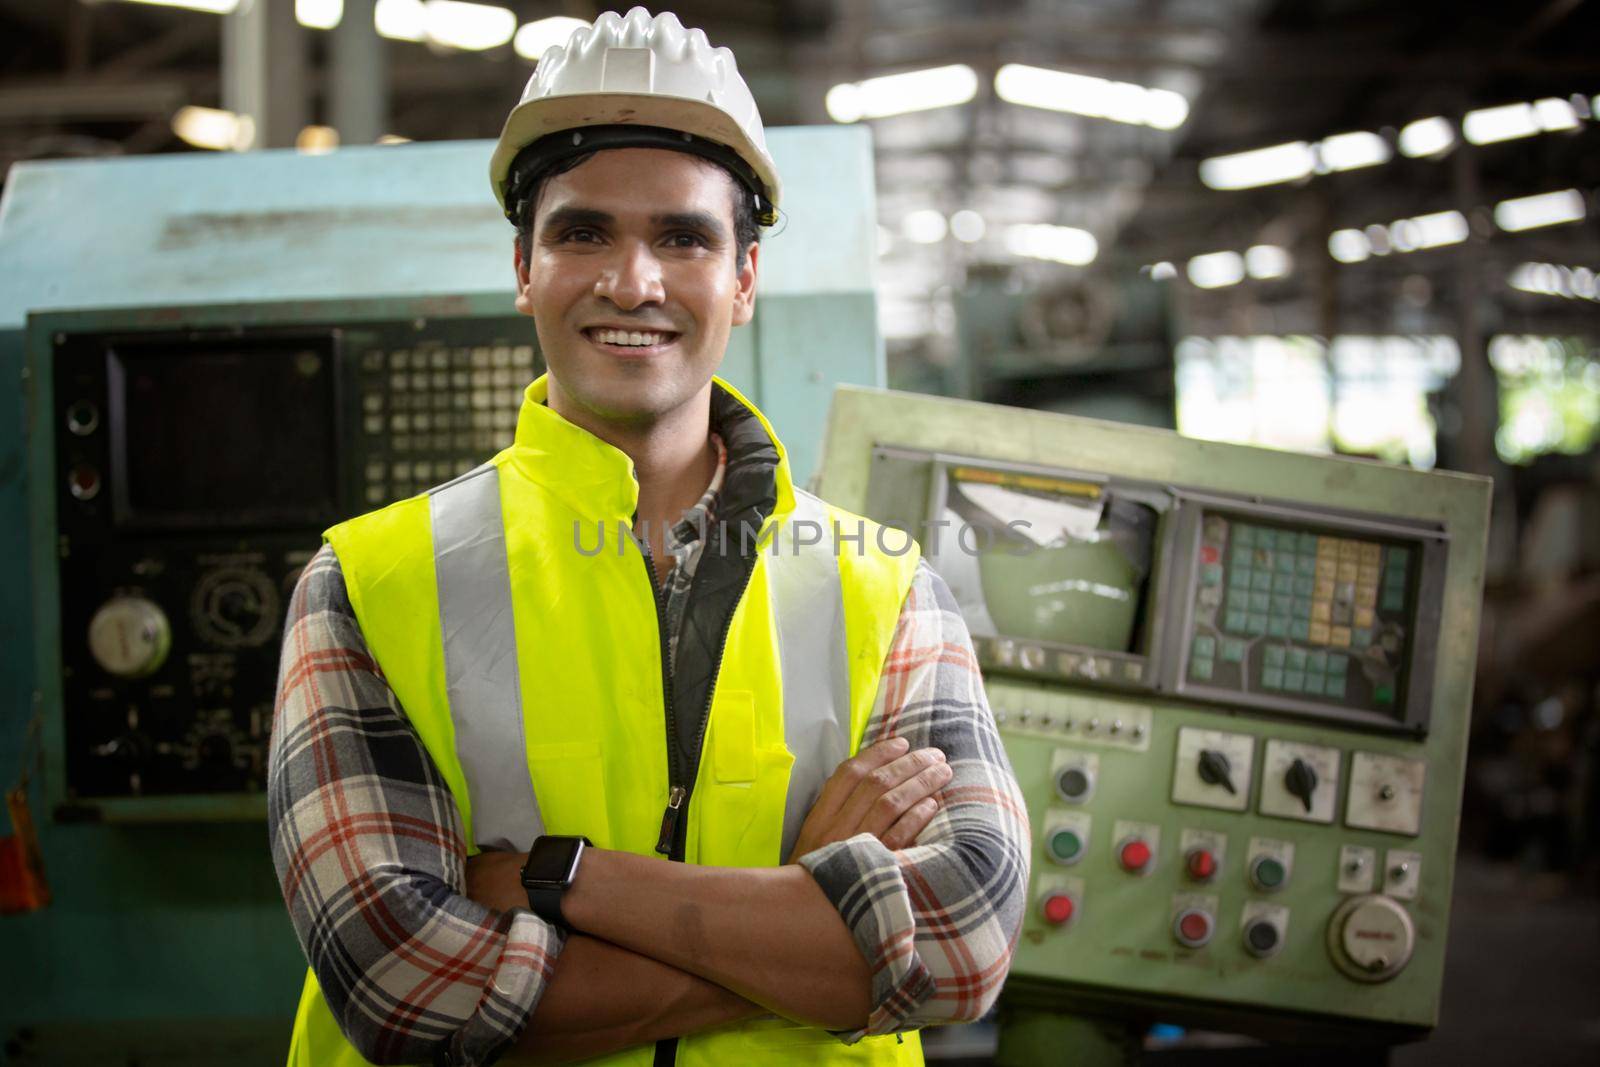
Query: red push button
pixel 1058 909
pixel 1201 864
pixel 1193 927
pixel 1134 855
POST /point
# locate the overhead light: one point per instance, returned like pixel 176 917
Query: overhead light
pixel 1080 94
pixel 317 140
pixel 1491 124
pixel 1548 279
pixel 1263 166
pixel 1059 244
pixel 1545 209
pixel 213 128
pixel 215 7
pixel 1347 151
pixel 534 38
pixel 1162 271
pixel 1432 231
pixel 1267 261
pixel 470 27
pixel 1349 246
pixel 319 14
pixel 401 20
pixel 925 227
pixel 1216 269
pixel 393 138
pixel 1555 114
pixel 1427 137
pixel 967 226
pixel 896 94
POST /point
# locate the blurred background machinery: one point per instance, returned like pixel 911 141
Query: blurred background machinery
pixel 1333 227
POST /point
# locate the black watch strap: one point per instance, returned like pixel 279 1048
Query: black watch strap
pixel 549 872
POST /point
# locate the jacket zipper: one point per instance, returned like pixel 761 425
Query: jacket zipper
pixel 681 784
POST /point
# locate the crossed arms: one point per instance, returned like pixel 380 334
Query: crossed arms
pixel 422 953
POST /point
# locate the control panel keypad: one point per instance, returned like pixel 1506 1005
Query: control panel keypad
pixel 432 412
pixel 1300 613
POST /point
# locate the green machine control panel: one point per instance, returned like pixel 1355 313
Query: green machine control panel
pixel 1234 686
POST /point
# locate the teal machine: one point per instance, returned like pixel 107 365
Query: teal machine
pixel 1234 684
pixel 220 356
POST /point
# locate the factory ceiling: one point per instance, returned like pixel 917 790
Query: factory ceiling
pixel 81 78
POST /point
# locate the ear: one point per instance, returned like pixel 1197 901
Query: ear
pixel 524 301
pixel 744 298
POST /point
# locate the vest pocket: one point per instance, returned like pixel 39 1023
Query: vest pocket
pixel 569 782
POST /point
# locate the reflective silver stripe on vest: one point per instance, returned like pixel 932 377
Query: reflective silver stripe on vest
pixel 480 659
pixel 808 611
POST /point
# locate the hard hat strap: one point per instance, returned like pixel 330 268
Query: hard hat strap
pixel 536 159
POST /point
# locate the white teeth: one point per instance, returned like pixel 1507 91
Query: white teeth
pixel 632 338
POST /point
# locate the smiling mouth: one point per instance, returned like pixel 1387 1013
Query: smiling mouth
pixel 633 341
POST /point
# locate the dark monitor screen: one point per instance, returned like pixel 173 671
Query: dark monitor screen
pixel 1046 559
pixel 210 434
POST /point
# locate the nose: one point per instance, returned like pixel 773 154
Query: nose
pixel 632 278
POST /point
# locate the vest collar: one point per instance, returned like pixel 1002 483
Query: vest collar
pixel 597 480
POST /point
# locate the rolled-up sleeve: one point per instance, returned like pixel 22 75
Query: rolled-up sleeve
pixel 370 855
pixel 936 922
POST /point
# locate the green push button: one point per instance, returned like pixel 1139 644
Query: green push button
pixel 1234 621
pixel 1277 626
pixel 1260 602
pixel 1274 655
pixel 1232 650
pixel 1394 599
pixel 1272 678
pixel 1334 686
pixel 1201 668
pixel 1314 684
pixel 1261 581
pixel 1256 623
pixel 1294 681
pixel 1205 646
pixel 1297 658
pixel 1244 535
pixel 1238 577
pixel 1065 846
pixel 1317 661
pixel 1383 693
pixel 1268 873
pixel 1338 665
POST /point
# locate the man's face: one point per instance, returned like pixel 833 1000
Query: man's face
pixel 631 280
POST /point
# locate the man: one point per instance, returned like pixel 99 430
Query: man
pixel 469 674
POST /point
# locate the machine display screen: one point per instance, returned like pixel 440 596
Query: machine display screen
pixel 1045 559
pixel 216 435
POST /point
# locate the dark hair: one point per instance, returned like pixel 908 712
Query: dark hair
pixel 746 230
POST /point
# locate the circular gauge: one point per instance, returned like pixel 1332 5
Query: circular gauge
pixel 130 637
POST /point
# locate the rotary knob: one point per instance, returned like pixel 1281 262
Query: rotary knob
pixel 1214 769
pixel 130 637
pixel 1371 938
pixel 1301 782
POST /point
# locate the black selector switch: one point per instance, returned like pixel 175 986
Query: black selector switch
pixel 1215 770
pixel 1301 781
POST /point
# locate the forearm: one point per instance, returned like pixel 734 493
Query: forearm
pixel 766 933
pixel 604 998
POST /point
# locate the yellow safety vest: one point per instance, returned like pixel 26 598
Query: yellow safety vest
pixel 548 614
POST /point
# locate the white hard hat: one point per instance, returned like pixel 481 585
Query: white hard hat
pixel 637 81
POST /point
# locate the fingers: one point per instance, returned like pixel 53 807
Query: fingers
pixel 850 774
pixel 904 833
pixel 885 794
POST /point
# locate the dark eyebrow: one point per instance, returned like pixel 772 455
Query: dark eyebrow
pixel 703 221
pixel 563 217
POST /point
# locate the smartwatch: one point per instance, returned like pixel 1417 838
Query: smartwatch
pixel 551 869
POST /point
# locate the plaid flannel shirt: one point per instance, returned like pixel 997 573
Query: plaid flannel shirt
pixel 370 849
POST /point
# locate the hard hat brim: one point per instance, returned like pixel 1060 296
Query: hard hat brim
pixel 538 118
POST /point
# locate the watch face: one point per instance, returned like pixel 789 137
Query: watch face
pixel 553 859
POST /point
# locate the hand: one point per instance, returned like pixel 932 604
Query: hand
pixel 494 879
pixel 884 790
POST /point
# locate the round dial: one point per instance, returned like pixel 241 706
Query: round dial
pixel 130 637
pixel 235 607
pixel 1371 937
